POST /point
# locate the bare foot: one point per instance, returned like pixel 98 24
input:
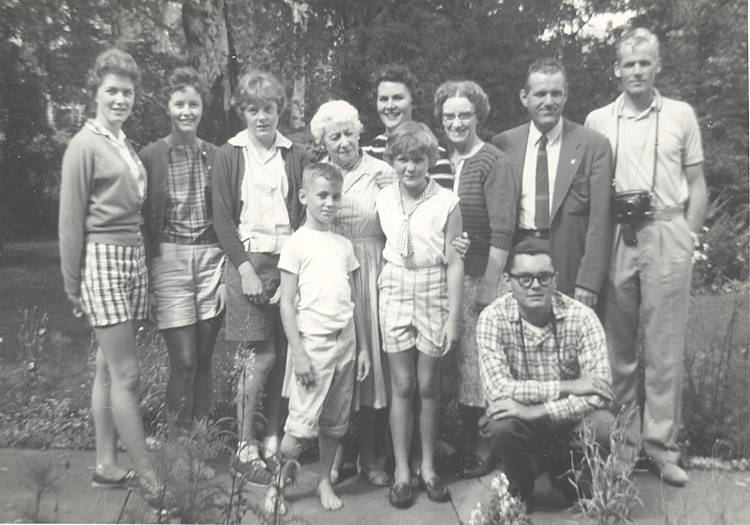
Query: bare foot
pixel 329 500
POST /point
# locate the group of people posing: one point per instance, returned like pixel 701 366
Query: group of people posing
pixel 344 282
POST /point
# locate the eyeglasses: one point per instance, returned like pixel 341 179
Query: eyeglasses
pixel 527 279
pixel 463 117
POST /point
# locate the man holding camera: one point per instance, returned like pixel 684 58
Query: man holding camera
pixel 566 173
pixel 659 205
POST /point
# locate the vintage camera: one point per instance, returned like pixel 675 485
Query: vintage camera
pixel 630 208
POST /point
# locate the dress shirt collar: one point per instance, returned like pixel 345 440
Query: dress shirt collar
pixel 553 135
pixel 101 130
pixel 242 139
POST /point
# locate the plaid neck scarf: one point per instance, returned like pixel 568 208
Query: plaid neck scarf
pixel 405 244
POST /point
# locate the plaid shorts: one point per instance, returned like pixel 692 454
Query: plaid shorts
pixel 114 284
pixel 413 308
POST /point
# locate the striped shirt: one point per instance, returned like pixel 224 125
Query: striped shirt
pixel 489 190
pixel 527 364
pixel 187 217
pixel 441 172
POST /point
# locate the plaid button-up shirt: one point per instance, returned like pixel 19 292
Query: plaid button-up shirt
pixel 528 366
pixel 187 213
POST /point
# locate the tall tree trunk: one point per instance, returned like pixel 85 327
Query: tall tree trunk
pixel 208 44
pixel 297 107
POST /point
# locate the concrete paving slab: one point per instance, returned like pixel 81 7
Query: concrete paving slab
pixel 710 498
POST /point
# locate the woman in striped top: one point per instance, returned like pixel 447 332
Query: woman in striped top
pixel 488 192
pixel 396 86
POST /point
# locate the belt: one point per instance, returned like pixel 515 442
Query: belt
pixel 536 234
pixel 665 214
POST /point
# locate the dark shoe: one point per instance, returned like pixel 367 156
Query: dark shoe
pixel 435 489
pixel 472 466
pixel 126 480
pixel 254 472
pixel 401 495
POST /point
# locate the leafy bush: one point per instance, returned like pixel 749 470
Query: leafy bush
pixel 724 255
pixel 716 415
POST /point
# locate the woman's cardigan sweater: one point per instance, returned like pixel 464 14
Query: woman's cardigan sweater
pixel 155 157
pixel 488 191
pixel 227 176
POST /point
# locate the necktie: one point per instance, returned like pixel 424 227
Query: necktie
pixel 541 214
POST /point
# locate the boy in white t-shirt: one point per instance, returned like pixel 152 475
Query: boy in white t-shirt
pixel 317 312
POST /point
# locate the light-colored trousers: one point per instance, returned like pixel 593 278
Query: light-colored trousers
pixel 648 287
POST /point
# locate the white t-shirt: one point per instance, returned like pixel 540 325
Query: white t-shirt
pixel 322 262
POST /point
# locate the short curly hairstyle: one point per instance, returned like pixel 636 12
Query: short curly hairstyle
pixel 398 73
pixel 333 112
pixel 411 138
pixel 113 61
pixel 463 88
pixel 259 87
pixel 184 77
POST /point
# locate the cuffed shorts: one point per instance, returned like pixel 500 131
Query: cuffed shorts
pixel 325 406
pixel 185 279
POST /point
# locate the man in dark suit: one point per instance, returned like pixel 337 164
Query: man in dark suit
pixel 566 173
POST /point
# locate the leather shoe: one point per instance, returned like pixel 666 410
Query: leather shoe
pixel 401 495
pixel 435 489
pixel 472 466
pixel 669 472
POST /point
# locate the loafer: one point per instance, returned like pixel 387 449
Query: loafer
pixel 669 472
pixel 435 489
pixel 472 466
pixel 401 495
pixel 103 482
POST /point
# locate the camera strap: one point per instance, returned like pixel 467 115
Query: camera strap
pixel 656 144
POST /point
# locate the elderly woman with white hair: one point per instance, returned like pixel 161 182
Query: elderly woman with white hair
pixel 336 126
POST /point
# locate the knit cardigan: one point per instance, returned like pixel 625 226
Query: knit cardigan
pixel 226 181
pixel 489 189
pixel 155 157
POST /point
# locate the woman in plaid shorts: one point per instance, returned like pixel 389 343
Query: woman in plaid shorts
pixel 182 249
pixel 421 289
pixel 103 264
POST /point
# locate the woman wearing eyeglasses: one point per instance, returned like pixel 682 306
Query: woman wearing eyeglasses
pixel 488 192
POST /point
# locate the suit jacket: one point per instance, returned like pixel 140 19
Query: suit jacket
pixel 581 225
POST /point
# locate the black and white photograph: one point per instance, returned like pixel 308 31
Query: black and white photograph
pixel 442 262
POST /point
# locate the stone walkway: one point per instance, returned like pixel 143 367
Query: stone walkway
pixel 711 498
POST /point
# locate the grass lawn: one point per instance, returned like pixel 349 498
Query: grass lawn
pixel 30 277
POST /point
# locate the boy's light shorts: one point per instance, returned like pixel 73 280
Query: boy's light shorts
pixel 185 279
pixel 413 308
pixel 325 406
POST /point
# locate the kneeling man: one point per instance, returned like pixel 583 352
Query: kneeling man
pixel 543 361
